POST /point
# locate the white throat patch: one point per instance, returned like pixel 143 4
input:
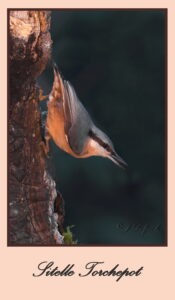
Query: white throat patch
pixel 97 149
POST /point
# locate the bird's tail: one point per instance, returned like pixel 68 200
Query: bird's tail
pixel 56 93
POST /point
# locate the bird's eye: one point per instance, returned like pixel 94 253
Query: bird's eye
pixel 106 146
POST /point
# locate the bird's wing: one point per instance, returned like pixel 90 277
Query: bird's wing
pixel 78 121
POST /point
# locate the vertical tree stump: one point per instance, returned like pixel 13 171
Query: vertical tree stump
pixel 32 192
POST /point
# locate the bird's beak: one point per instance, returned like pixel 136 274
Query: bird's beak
pixel 118 160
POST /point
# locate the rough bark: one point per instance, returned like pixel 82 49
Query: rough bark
pixel 35 208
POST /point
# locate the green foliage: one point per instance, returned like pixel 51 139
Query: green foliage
pixel 68 236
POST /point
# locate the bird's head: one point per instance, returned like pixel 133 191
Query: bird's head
pixel 101 145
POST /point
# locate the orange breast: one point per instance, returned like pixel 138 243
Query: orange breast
pixel 55 125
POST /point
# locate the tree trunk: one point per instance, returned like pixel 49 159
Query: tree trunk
pixel 32 193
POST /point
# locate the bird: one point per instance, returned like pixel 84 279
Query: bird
pixel 70 126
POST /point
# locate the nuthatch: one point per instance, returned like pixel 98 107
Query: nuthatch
pixel 70 126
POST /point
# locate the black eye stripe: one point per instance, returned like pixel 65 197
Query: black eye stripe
pixel 104 145
pixel 95 138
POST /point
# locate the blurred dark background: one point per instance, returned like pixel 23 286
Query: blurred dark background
pixel 116 63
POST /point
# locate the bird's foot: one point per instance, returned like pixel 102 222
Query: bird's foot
pixel 41 97
pixel 45 146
